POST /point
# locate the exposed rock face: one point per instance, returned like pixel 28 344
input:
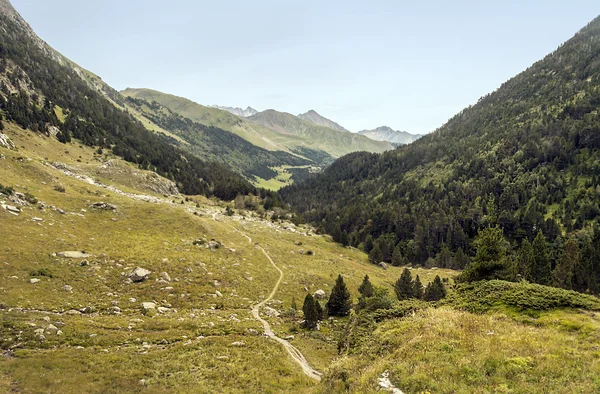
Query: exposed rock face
pixel 388 134
pixel 139 274
pixel 320 294
pixel 313 117
pixel 244 113
pixel 4 140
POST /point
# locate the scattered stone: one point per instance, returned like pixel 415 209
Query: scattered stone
pixel 72 312
pixel 301 251
pixel 11 208
pixel 249 279
pixel 68 288
pixel 387 385
pixel 320 294
pixel 218 293
pixel 84 263
pixel 162 309
pixel 33 281
pixel 142 382
pixel 271 312
pixel 103 206
pixel 51 329
pixel 139 274
pixel 214 245
pixel 148 305
pixel 383 265
pixel 165 276
pixel 132 300
pixel 37 219
pixel 73 255
pixel 289 338
pixel 39 331
pixel 298 243
pixel 238 343
pixel 252 331
pixel 61 211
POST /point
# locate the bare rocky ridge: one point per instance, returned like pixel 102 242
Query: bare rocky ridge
pixel 313 117
pixel 244 113
pixel 385 133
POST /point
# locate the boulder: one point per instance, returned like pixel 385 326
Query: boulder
pixel 33 281
pixel 218 293
pixel 320 294
pixel 382 265
pixel 214 245
pixel 148 305
pixel 51 329
pixel 11 208
pixel 68 288
pixel 162 309
pixel 73 255
pixel 139 274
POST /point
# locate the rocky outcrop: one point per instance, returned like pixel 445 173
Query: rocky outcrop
pixel 320 294
pixel 139 274
pixel 6 142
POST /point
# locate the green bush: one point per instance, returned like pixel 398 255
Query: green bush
pixel 479 297
pixel 42 272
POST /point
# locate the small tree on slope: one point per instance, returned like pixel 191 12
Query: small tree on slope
pixel 339 301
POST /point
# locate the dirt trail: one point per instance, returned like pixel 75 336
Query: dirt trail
pixel 296 355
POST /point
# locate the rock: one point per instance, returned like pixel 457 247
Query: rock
pixel 115 310
pixel 68 288
pixel 271 312
pixel 218 293
pixel 148 305
pixel 51 329
pixel 214 245
pixel 142 382
pixel 139 274
pixel 249 279
pixel 103 206
pixel 38 331
pixel 84 263
pixel 73 255
pixel 59 332
pixel 11 208
pixel 132 300
pixel 162 309
pixel 165 276
pixel 37 219
pixel 320 294
pixel 34 281
pixel 382 265
pixel 298 243
pixel 301 251
pixel 289 338
pixel 72 312
pixel 238 343
pixel 61 211
pixel 6 142
pixel 252 331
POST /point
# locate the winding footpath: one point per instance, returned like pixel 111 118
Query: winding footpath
pixel 296 355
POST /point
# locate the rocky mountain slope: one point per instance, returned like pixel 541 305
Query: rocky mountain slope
pixel 313 117
pixel 385 133
pixel 243 113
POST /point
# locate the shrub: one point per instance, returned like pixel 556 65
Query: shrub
pixel 42 272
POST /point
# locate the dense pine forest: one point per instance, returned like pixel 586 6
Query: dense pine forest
pixel 524 159
pixel 38 84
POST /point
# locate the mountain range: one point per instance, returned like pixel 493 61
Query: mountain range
pixel 385 133
pixel 243 113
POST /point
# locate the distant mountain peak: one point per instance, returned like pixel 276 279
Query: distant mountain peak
pixel 386 133
pixel 244 113
pixel 314 117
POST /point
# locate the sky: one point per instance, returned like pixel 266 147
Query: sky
pixel 410 65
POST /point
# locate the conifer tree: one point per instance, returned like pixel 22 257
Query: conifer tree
pixel 435 290
pixel 310 312
pixel 565 266
pixel 418 288
pixel 525 259
pixel 366 288
pixel 398 259
pixel 339 303
pixel 404 286
pixel 319 309
pixel 541 269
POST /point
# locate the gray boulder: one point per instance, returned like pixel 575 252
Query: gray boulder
pixel 139 274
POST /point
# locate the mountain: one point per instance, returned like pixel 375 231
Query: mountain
pixel 45 92
pixel 334 142
pixel 214 144
pixel 314 118
pixel 525 157
pixel 385 133
pixel 243 113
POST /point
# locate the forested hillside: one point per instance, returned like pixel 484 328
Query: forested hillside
pixel 42 92
pixel 525 158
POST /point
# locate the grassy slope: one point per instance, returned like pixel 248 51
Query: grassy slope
pixel 255 134
pixel 336 143
pixel 158 237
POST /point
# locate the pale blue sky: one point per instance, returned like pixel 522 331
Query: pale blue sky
pixel 408 65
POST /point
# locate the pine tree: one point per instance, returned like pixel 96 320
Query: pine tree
pixel 339 301
pixel 368 244
pixel 565 266
pixel 319 309
pixel 525 259
pixel 310 312
pixel 460 261
pixel 404 286
pixel 490 261
pixel 376 255
pixel 398 259
pixel 541 270
pixel 418 288
pixel 435 290
pixel 366 288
